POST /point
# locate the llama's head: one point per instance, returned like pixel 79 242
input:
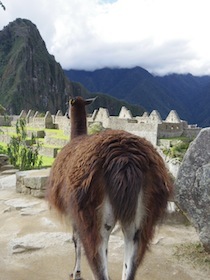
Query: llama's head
pixel 77 114
pixel 77 104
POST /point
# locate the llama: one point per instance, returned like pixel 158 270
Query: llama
pixel 101 179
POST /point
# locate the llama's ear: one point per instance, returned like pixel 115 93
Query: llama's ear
pixel 90 100
pixel 72 101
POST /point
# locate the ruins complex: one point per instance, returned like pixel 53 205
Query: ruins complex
pixel 151 126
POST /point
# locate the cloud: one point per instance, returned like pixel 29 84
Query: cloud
pixel 160 35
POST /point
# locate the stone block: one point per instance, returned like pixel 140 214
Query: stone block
pixel 192 186
pixel 32 182
pixel 37 183
pixel 38 193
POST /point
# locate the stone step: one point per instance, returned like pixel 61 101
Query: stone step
pixel 6 167
pixel 4 159
pixel 9 172
pixel 32 182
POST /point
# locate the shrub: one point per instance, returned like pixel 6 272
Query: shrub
pixel 24 153
pixel 178 150
pixel 94 128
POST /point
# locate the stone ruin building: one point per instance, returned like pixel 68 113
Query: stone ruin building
pixel 151 126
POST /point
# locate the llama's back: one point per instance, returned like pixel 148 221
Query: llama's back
pixel 115 163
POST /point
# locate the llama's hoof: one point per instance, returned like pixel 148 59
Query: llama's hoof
pixel 78 276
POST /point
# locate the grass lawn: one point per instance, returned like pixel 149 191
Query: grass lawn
pixel 47 161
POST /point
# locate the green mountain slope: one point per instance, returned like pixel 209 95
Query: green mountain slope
pixel 30 78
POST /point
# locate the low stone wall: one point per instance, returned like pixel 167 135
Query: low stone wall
pixel 49 151
pixel 5 121
pixel 191 132
pixel 36 133
pixel 55 141
pixel 32 182
pixel 5 138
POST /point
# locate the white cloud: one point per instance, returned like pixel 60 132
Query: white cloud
pixel 160 35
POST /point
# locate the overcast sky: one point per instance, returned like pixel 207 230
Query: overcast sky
pixel 162 36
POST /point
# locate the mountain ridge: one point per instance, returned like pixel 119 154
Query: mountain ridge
pixel 180 92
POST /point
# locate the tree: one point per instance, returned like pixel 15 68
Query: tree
pixel 1 4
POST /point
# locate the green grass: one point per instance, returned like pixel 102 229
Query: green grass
pixel 51 146
pixel 182 138
pixel 40 140
pixel 33 128
pixel 6 126
pixel 47 161
pixel 4 145
pixel 194 254
pixel 62 137
pixel 3 148
pixel 58 132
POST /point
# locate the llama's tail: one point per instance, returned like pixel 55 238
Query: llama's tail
pixel 124 180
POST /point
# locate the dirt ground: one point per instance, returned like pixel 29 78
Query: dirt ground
pixel 35 245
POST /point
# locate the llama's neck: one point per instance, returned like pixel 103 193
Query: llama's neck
pixel 78 122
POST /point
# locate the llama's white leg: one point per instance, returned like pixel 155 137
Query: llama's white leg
pixel 131 251
pixel 102 259
pixel 132 243
pixel 77 268
pixel 100 264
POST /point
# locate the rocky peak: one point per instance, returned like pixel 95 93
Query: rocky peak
pixel 30 78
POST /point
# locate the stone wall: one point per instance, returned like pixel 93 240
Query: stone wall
pixel 32 182
pixel 5 138
pixel 169 130
pixel 191 132
pixel 41 122
pixel 5 121
pixel 62 122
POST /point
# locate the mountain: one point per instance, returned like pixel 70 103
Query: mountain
pixel 192 92
pixel 30 78
pixel 133 85
pixel 187 94
pixel 202 106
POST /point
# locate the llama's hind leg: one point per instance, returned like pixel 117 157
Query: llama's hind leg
pixel 77 267
pixel 99 263
pixel 132 243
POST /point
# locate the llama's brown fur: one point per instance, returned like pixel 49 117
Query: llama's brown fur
pixel 116 164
